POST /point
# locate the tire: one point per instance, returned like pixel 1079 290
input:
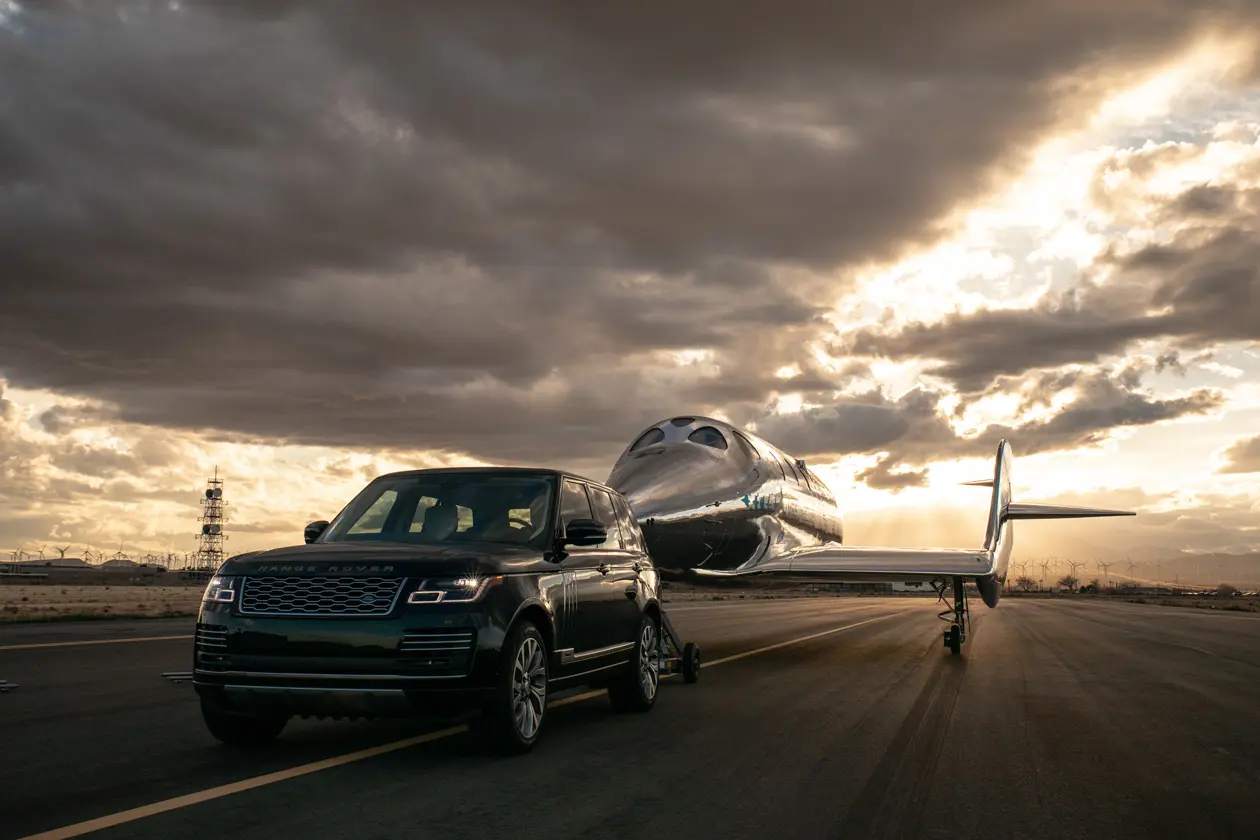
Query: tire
pixel 515 715
pixel 691 662
pixel 955 640
pixel 635 689
pixel 239 729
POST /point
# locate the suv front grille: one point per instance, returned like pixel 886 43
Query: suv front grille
pixel 360 596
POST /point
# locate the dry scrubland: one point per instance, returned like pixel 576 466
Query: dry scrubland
pixel 57 602
pixel 69 602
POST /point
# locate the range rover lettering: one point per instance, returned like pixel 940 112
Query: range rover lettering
pixel 436 592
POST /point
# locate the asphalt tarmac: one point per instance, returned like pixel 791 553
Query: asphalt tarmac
pixel 818 718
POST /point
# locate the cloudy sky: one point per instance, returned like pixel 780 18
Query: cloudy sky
pixel 313 242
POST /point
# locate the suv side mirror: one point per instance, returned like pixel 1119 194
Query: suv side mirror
pixel 312 531
pixel 584 532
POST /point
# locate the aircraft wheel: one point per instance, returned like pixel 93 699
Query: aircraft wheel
pixel 690 662
pixel 953 639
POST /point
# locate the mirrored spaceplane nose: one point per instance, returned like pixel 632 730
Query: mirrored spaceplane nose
pixel 712 497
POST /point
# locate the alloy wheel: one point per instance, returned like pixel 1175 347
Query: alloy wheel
pixel 649 675
pixel 529 687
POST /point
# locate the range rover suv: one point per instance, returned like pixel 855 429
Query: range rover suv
pixel 446 591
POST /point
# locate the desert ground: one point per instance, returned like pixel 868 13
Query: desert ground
pixel 54 601
pixel 37 602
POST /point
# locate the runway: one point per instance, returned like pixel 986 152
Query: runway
pixel 818 718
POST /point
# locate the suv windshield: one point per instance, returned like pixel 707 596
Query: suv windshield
pixel 449 507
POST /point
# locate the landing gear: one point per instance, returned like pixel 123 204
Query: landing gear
pixel 673 656
pixel 958 616
pixel 690 662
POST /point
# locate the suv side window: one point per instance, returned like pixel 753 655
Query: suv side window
pixel 631 536
pixel 607 516
pixel 573 504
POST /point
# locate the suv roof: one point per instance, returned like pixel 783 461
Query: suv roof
pixel 482 470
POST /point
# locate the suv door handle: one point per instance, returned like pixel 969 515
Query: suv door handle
pixel 603 568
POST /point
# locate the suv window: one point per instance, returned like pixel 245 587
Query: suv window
pixel 607 516
pixel 573 503
pixel 631 536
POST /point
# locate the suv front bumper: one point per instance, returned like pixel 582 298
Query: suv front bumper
pixel 431 661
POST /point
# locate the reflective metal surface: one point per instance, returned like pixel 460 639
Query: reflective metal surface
pixel 716 502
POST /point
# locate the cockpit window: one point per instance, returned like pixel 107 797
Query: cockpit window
pixel 708 436
pixel 648 438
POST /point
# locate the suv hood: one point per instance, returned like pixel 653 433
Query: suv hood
pixel 388 560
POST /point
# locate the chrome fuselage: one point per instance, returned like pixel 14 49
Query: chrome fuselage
pixel 722 502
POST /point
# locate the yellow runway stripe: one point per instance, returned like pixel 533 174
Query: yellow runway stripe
pixel 178 802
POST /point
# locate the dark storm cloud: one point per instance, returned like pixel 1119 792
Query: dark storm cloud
pixel 914 429
pixel 1200 289
pixel 466 226
pixel 1243 456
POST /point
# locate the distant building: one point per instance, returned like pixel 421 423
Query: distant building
pixel 912 586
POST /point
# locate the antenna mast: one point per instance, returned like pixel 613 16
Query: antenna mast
pixel 209 555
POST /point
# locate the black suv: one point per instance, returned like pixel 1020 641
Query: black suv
pixel 436 591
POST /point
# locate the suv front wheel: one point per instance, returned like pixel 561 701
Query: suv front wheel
pixel 516 712
pixel 635 689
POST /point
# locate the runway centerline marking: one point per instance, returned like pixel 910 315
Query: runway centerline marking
pixel 175 803
pixel 93 642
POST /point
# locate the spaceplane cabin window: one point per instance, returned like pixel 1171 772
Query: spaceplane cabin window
pixel 708 436
pixel 651 436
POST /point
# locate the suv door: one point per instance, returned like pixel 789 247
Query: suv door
pixel 622 581
pixel 584 569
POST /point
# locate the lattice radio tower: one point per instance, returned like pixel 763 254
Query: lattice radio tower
pixel 210 552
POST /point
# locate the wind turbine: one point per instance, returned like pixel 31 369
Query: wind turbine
pixel 1131 567
pixel 1106 575
pixel 1045 570
pixel 63 552
pixel 1075 564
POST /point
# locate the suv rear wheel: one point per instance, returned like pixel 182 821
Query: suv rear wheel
pixel 635 689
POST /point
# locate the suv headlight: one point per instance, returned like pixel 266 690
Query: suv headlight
pixel 220 590
pixel 460 590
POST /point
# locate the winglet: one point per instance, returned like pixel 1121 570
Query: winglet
pixel 984 482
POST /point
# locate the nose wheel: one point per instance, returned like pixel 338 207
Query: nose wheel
pixel 675 656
